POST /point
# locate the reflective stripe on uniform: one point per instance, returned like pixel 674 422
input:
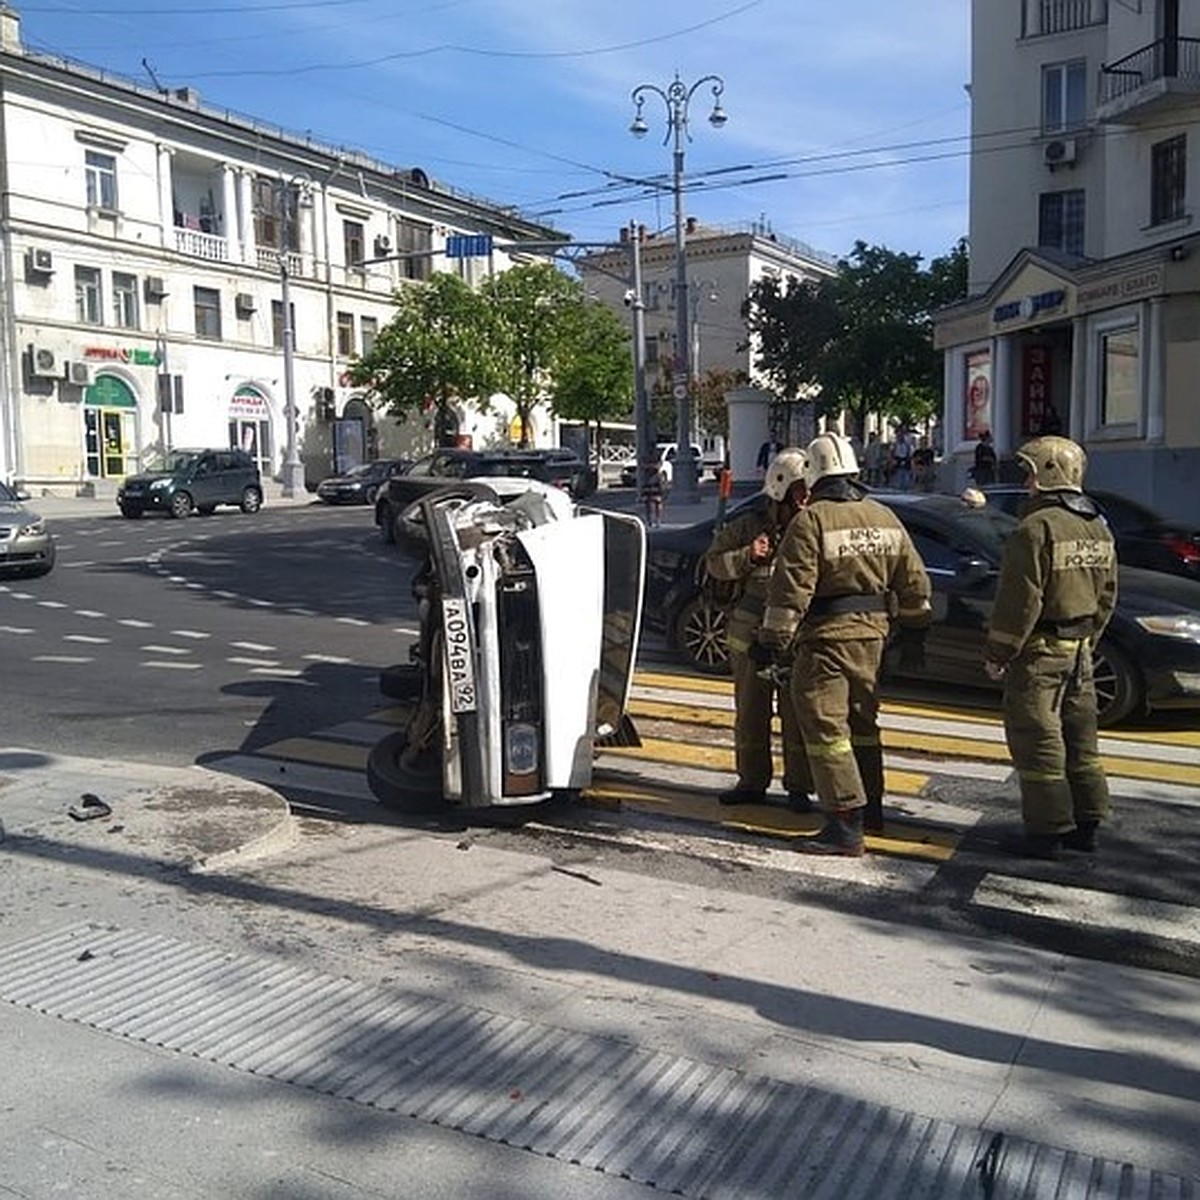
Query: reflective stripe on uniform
pixel 1041 776
pixel 838 748
pixel 780 621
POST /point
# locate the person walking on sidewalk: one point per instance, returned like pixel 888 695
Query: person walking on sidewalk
pixel 1054 597
pixel 845 568
pixel 740 556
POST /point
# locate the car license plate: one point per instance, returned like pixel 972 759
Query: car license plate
pixel 460 664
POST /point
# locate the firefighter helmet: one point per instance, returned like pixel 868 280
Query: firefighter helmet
pixel 828 455
pixel 1055 464
pixel 785 469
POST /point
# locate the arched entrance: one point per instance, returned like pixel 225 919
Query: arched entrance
pixel 110 429
pixel 250 427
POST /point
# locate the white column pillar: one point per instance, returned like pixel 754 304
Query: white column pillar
pixel 166 202
pixel 1156 370
pixel 229 221
pixel 749 427
pixel 247 250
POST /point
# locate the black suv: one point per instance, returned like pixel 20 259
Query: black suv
pixel 193 480
pixel 559 467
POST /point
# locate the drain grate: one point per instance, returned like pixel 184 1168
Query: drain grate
pixel 682 1126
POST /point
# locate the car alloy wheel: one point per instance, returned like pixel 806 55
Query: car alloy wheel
pixel 700 635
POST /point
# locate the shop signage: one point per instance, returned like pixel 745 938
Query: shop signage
pixel 135 356
pixel 1029 306
pixel 1126 287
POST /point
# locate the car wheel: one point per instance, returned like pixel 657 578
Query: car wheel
pixel 404 785
pixel 251 500
pixel 371 496
pixel 181 505
pixel 129 512
pixel 1119 690
pixel 402 681
pixel 700 636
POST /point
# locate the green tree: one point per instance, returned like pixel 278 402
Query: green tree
pixel 863 337
pixel 434 348
pixel 593 368
pixel 531 311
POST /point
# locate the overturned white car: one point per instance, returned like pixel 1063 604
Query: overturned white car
pixel 530 610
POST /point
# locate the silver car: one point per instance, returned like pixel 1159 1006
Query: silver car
pixel 26 545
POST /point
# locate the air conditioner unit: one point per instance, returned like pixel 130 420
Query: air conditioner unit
pixel 1059 153
pixel 45 362
pixel 244 302
pixel 383 246
pixel 79 373
pixel 156 287
pixel 41 261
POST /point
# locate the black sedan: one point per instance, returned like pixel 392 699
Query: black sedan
pixel 1144 539
pixel 1149 657
pixel 361 484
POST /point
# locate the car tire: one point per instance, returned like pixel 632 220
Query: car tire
pixel 251 500
pixel 130 513
pixel 402 681
pixel 181 505
pixel 699 635
pixel 400 786
pixel 1119 689
pixel 371 496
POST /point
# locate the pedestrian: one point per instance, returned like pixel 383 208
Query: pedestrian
pixel 900 475
pixel 767 452
pixel 924 471
pixel 845 570
pixel 873 460
pixel 1054 597
pixel 653 492
pixel 741 553
pixel 984 470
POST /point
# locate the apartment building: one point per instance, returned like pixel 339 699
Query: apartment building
pixel 1084 313
pixel 171 274
pixel 722 266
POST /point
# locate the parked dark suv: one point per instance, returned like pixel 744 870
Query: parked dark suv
pixel 187 480
pixel 557 466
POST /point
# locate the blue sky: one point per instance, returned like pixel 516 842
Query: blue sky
pixel 857 111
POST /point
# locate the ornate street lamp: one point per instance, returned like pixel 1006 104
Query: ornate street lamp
pixel 677 99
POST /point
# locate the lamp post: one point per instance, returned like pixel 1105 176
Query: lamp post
pixel 290 192
pixel 677 100
pixel 697 294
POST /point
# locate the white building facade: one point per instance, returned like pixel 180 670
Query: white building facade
pixel 146 245
pixel 1084 313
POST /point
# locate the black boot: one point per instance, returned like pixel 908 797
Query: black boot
pixel 741 795
pixel 842 834
pixel 873 816
pixel 800 802
pixel 1082 837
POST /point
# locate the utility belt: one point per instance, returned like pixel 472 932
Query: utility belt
pixel 1074 630
pixel 837 606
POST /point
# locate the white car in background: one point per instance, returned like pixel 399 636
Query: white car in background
pixel 665 454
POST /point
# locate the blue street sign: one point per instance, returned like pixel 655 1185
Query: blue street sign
pixel 469 245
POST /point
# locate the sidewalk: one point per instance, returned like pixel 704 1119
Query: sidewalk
pixel 55 507
pixel 712 1042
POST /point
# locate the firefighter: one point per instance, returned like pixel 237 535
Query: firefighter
pixel 740 555
pixel 845 569
pixel 1057 588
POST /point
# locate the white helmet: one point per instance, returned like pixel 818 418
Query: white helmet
pixel 829 454
pixel 786 468
pixel 1055 463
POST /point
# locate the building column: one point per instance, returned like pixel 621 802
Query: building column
pixel 229 218
pixel 1156 370
pixel 1078 418
pixel 1004 427
pixel 166 201
pixel 749 426
pixel 248 247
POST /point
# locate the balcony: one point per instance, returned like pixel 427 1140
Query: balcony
pixel 1061 16
pixel 198 244
pixel 1159 77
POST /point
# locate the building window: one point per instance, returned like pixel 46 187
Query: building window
pixel 1119 392
pixel 353 243
pixel 125 300
pixel 1168 179
pixel 277 328
pixel 207 305
pixel 100 170
pixel 416 240
pixel 88 310
pixel 369 327
pixel 1061 221
pixel 345 334
pixel 652 352
pixel 1064 96
pixel 276 214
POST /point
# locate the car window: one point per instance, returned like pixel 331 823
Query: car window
pixel 7 494
pixel 1124 516
pixel 423 466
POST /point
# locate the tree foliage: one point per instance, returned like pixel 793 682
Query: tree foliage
pixel 593 368
pixel 862 339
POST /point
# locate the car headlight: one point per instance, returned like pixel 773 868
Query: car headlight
pixel 33 529
pixel 159 484
pixel 1187 628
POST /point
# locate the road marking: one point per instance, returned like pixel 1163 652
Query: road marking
pixel 174 666
pixel 253 662
pixel 336 659
pixel 14 629
pixel 190 633
pixel 83 637
pixel 91 614
pixel 134 623
pixel 257 647
pixel 352 621
pixel 61 658
pixel 165 649
pixel 282 672
pixel 1113 912
pixel 47 603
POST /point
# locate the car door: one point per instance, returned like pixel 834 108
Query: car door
pixel 206 481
